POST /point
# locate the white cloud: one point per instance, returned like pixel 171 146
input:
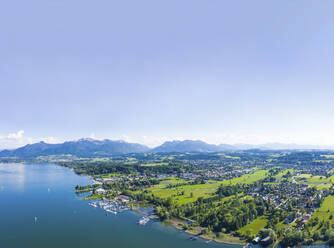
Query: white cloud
pixel 17 135
pixel 14 140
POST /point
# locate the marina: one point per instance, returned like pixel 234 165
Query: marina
pixel 144 220
pixel 66 220
pixel 113 206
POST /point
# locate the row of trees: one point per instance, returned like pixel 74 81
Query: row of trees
pixel 210 212
pixel 101 167
pixel 294 238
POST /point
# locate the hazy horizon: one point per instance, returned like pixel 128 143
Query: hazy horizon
pixel 268 145
pixel 147 72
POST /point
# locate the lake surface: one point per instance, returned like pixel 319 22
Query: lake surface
pixel 66 220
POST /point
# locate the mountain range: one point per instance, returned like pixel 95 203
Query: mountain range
pixel 191 146
pixel 80 148
pixel 98 148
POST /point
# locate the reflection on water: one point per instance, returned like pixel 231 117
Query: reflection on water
pixel 12 170
pixel 63 219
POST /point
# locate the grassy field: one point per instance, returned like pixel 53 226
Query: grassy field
pixel 131 159
pixel 227 156
pixel 326 210
pixel 198 190
pixel 130 162
pixel 247 178
pixel 284 172
pixel 153 164
pixel 318 181
pixel 171 181
pixel 190 193
pixel 328 156
pixel 93 197
pixel 107 175
pixel 221 237
pixel 253 228
pixel 224 238
pixel 101 159
pixel 282 225
pixel 279 176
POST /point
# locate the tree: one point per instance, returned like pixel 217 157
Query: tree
pixel 292 239
pixel 331 241
pixel 328 235
pixel 316 236
pixel 268 232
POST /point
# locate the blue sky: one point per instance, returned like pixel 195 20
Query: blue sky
pixel 150 71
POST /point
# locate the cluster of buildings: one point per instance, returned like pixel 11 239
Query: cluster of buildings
pixel 223 174
pixel 298 199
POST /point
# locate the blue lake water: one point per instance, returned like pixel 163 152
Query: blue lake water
pixel 66 220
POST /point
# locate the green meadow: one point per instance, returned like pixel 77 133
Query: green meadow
pixel 284 172
pixel 325 211
pixel 328 156
pixel 253 228
pixel 318 181
pixel 279 176
pixel 154 164
pixel 247 178
pixel 190 193
pixel 227 156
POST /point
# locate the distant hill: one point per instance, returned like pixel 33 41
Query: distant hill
pixel 200 146
pixel 190 146
pixel 291 146
pixel 80 148
pixel 281 146
pixel 100 148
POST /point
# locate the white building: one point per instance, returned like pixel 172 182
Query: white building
pixel 100 191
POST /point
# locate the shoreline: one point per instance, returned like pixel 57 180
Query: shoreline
pixel 176 222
